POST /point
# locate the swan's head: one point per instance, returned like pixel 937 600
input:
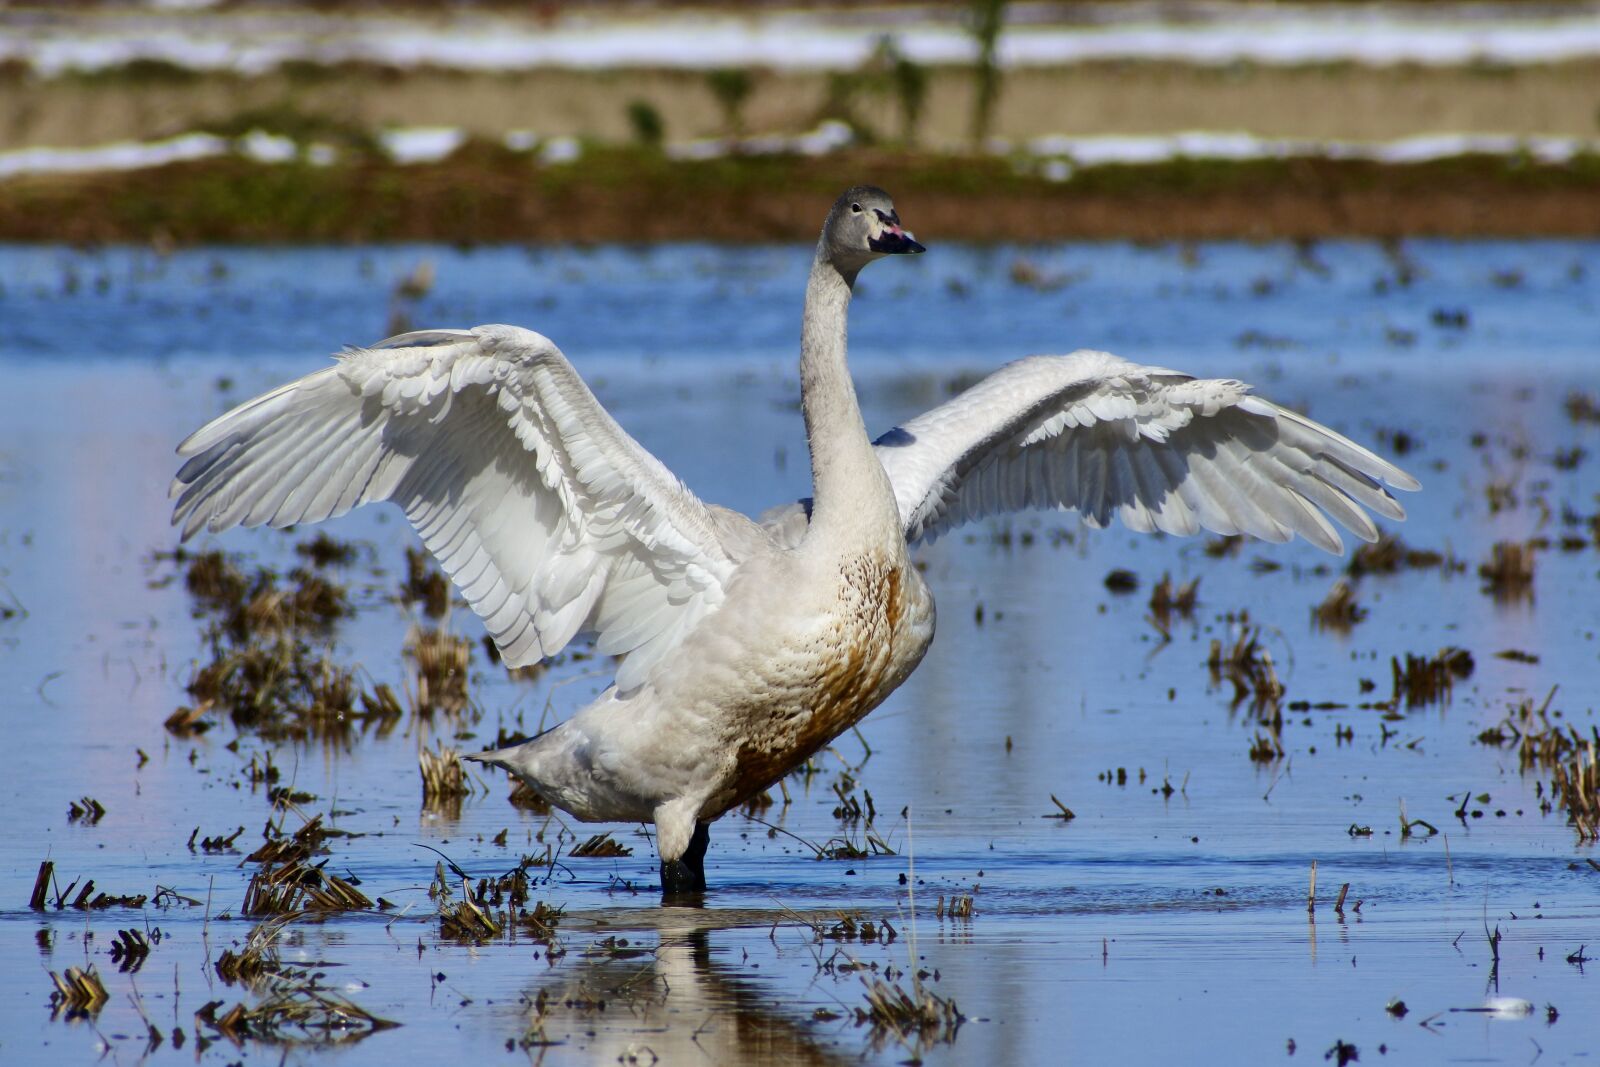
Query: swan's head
pixel 862 227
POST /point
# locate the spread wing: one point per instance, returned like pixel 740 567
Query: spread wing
pixel 550 519
pixel 1161 450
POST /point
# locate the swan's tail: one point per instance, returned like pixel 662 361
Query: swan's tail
pixel 515 759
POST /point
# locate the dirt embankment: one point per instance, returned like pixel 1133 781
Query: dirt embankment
pixel 487 195
pixel 1343 102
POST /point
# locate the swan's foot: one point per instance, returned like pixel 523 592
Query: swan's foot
pixel 686 875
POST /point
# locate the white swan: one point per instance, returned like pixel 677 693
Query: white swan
pixel 748 646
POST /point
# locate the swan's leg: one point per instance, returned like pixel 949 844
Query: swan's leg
pixel 687 873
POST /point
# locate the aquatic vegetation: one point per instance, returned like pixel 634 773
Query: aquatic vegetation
pixel 85 810
pixel 425 585
pixel 961 906
pixel 296 1012
pixel 269 667
pixel 78 993
pixel 441 660
pixel 130 949
pixel 600 845
pixel 1390 555
pixel 444 780
pixel 1052 888
pixel 1572 759
pixel 1338 611
pixel 464 919
pixel 914 1017
pixel 86 900
pixel 1508 573
pixel 1424 680
pixel 325 551
pixel 1167 600
pixel 285 888
pixel 1248 666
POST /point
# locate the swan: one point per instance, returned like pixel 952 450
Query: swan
pixel 746 645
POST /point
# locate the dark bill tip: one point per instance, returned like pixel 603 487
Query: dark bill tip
pixel 893 243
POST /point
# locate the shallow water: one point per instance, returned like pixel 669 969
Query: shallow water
pixel 1154 926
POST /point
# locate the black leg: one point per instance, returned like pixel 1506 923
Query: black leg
pixel 686 875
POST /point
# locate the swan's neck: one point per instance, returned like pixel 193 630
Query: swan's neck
pixel 849 488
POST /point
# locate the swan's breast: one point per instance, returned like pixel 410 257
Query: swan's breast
pixel 866 643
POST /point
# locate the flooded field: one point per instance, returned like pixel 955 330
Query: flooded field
pixel 1412 743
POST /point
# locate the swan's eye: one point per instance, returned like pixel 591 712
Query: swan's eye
pixel 856 208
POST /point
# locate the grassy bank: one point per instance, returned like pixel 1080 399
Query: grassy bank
pixel 487 194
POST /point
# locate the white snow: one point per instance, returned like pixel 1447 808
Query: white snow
pixel 252 42
pixel 122 155
pixel 1204 144
pixel 1056 157
pixel 421 144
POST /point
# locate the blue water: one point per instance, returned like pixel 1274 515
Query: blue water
pixel 1101 939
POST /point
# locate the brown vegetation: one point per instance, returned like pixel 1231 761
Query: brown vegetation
pixel 485 193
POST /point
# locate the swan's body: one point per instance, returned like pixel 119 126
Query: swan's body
pixel 748 645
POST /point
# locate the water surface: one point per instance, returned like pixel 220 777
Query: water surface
pixel 1155 924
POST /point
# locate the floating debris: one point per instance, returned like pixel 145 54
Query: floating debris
pixel 1122 581
pixel 1502 1008
pixel 1342 1053
pixel 1408 827
pixel 1065 814
pixel 78 993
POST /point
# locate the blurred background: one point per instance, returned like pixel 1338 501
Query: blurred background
pixel 193 120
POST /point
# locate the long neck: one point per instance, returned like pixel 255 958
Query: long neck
pixel 848 485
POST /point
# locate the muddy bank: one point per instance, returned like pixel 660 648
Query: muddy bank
pixel 486 194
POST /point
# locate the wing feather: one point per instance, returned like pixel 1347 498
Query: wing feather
pixel 1162 451
pixel 549 518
